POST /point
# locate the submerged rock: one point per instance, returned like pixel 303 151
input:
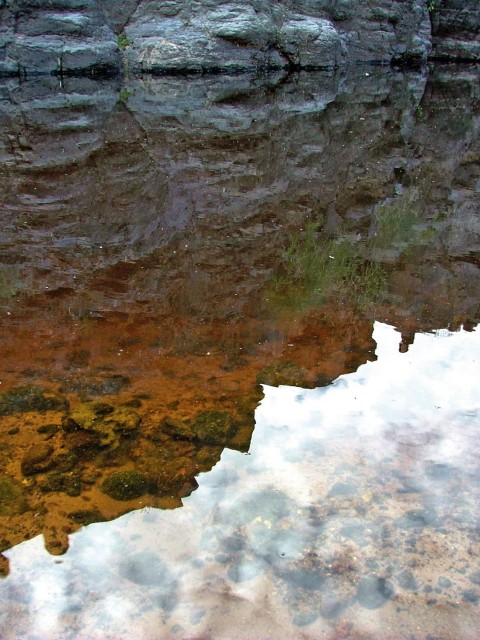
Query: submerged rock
pixel 373 592
pixel 125 485
pixel 62 482
pixel 106 422
pixel 213 427
pixel 86 517
pixel 31 398
pixel 209 427
pixel 37 459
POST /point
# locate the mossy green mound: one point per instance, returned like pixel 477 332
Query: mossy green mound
pixel 125 485
pixel 12 500
pixel 31 398
pixel 107 422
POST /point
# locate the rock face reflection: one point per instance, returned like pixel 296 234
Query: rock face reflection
pixel 168 248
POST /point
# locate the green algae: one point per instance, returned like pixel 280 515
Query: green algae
pixel 125 485
pixel 108 423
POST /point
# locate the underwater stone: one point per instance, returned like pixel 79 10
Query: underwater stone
pixel 418 518
pixel 48 430
pixel 342 490
pixel 107 422
pixel 470 595
pixel 407 581
pixel 55 481
pixel 12 500
pixel 178 429
pixel 475 577
pixel 37 459
pixel 209 427
pixel 31 398
pixel 86 517
pixel 373 592
pixel 125 485
pixel 213 427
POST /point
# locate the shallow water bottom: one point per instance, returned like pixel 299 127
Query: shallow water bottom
pixel 355 515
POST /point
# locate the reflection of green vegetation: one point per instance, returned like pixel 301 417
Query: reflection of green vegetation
pixel 122 41
pixel 395 220
pixel 124 94
pixel 314 270
pixel 10 283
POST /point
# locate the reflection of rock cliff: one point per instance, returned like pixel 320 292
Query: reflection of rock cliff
pixel 177 36
pixel 224 170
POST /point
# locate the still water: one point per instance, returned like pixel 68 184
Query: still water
pixel 239 357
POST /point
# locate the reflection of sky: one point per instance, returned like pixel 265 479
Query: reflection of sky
pixel 397 437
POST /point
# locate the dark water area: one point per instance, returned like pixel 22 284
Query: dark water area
pixel 239 356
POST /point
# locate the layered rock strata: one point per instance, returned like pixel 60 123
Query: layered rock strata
pixel 100 36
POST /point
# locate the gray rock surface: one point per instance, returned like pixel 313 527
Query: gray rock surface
pixel 456 29
pixel 99 36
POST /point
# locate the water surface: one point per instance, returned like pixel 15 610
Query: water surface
pixel 239 356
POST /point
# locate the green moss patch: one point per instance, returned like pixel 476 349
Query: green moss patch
pixel 125 485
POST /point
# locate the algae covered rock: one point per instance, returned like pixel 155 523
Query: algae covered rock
pixel 214 427
pixel 105 421
pixel 209 427
pixel 125 485
pixel 31 398
pixel 62 482
pixel 179 429
pixel 12 499
pixel 37 459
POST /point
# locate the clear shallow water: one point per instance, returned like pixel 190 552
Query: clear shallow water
pixel 355 515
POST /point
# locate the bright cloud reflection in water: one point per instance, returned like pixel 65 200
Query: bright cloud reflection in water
pixel 355 516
